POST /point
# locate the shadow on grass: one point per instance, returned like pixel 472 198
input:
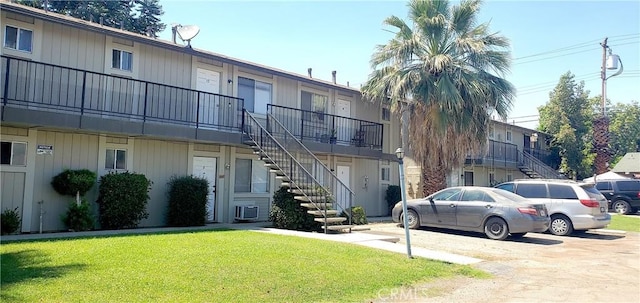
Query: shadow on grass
pixel 117 234
pixel 528 239
pixel 23 266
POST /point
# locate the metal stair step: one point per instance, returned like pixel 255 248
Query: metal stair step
pixel 283 178
pixel 315 206
pixel 331 220
pixel 330 212
pixel 316 199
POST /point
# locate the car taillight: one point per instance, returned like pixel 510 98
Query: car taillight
pixel 528 211
pixel 589 202
pixel 639 194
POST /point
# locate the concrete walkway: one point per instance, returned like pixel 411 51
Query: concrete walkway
pixel 358 237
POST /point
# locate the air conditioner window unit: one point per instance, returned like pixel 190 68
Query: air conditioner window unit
pixel 245 212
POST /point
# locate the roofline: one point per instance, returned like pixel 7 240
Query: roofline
pixel 521 128
pixel 86 25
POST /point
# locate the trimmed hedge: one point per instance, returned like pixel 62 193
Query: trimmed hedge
pixel 187 201
pixel 123 200
pixel 286 213
pixel 358 216
pixel 69 182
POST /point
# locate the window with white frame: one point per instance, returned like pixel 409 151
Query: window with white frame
pixel 385 174
pixel 313 103
pixel 251 177
pixel 13 153
pixel 122 60
pixel 18 38
pixel 386 113
pixel 116 159
pixel 256 95
pixel 509 136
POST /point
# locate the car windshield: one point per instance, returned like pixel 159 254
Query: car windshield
pixel 503 194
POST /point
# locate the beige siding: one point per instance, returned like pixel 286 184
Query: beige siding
pixel 70 151
pixel 367 193
pixel 263 204
pixel 71 47
pixel 12 193
pixel 288 94
pixel 158 161
pixel 164 66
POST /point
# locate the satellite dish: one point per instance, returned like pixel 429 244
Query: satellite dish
pixel 187 32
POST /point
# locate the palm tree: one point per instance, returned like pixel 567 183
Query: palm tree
pixel 443 75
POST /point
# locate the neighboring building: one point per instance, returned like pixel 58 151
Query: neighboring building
pixel 629 165
pixel 79 95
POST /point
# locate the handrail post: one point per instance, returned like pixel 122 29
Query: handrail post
pixel 146 95
pixel 6 88
pixel 197 110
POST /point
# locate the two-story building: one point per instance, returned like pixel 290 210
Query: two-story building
pixel 78 95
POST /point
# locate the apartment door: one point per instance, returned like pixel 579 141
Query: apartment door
pixel 342 193
pixel 205 167
pixel 468 178
pixel 344 127
pixel 208 81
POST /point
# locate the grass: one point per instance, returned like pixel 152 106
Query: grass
pixel 211 266
pixel 622 222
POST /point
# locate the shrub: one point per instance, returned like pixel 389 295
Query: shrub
pixel 69 182
pixel 78 217
pixel 392 196
pixel 358 215
pixel 286 213
pixel 187 201
pixel 10 221
pixel 122 200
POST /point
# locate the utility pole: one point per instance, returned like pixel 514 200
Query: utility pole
pixel 601 124
pixel 603 76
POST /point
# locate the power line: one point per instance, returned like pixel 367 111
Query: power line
pixel 579 45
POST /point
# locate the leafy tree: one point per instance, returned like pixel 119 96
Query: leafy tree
pixel 568 116
pixel 625 129
pixel 443 75
pixel 138 16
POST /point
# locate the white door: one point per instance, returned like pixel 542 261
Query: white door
pixel 208 81
pixel 343 194
pixel 205 167
pixel 345 129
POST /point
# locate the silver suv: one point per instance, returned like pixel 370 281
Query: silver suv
pixel 571 205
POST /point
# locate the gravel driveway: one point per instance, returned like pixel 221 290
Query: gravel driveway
pixel 596 266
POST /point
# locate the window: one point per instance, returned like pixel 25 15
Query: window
pixel 122 60
pixel 476 195
pixel 557 191
pixel 532 190
pixel 18 38
pixel 628 185
pixel 452 194
pixel 315 103
pixel 385 174
pixel 603 185
pixel 386 114
pixel 251 177
pixel 491 132
pixel 116 159
pixel 509 136
pixel 506 186
pixel 256 95
pixel 13 153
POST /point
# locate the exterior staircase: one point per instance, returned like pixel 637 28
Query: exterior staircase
pixel 313 184
pixel 536 169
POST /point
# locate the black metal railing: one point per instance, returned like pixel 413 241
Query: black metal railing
pixel 498 153
pixel 542 155
pixel 49 87
pixel 326 128
pixel 539 167
pixel 305 175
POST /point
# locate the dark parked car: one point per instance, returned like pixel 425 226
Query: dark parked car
pixel 623 195
pixel 493 211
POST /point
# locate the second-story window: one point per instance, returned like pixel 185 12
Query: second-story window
pixel 386 114
pixel 256 95
pixel 491 132
pixel 509 136
pixel 314 103
pixel 18 38
pixel 122 60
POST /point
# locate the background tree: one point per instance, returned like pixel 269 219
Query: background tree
pixel 442 73
pixel 624 128
pixel 139 16
pixel 568 116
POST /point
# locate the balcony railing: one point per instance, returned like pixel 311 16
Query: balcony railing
pixel 497 153
pixel 48 87
pixel 308 125
pixel 542 155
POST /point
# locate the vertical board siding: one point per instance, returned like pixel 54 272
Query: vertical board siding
pixel 164 66
pixel 12 193
pixel 73 47
pixel 159 161
pixel 287 93
pixel 70 151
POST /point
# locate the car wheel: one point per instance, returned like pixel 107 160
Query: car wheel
pixel 560 225
pixel 412 220
pixel 621 207
pixel 496 229
pixel 517 235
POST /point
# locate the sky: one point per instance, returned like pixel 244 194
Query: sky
pixel 548 39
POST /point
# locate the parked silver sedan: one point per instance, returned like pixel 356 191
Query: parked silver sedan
pixel 497 213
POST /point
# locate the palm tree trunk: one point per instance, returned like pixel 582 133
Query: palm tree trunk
pixel 433 179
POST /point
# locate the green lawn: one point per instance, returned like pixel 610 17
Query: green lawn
pixel 211 266
pixel 622 222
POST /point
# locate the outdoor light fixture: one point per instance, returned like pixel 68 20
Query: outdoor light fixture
pixel 400 155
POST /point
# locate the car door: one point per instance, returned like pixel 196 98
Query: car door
pixel 473 207
pixel 441 207
pixel 537 193
pixel 604 187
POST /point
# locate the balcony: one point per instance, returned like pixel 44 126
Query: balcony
pixel 333 131
pixel 498 154
pixel 36 93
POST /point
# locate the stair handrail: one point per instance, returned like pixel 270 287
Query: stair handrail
pixel 534 163
pixel 326 170
pixel 291 157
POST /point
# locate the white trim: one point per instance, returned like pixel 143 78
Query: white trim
pixel 135 51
